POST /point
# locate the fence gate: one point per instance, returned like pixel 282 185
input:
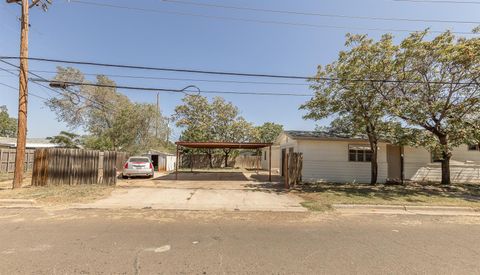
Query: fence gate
pixel 293 165
pixel 56 166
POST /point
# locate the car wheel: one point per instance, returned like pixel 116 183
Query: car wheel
pixel 124 177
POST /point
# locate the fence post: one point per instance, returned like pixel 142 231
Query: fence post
pixel 286 172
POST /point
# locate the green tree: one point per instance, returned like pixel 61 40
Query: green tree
pixel 438 91
pixel 66 140
pixel 216 121
pixel 228 125
pixel 358 102
pixel 8 125
pixel 267 133
pixel 195 119
pixel 112 121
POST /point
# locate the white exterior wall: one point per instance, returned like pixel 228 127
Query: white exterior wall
pixel 462 154
pixel 275 159
pixel 414 159
pixel 464 166
pixel 171 160
pixel 325 160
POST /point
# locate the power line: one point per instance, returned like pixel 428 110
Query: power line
pixel 13 74
pixel 200 4
pixel 152 89
pixel 184 79
pixel 440 1
pixel 272 22
pixel 30 93
pixel 237 74
pixel 55 91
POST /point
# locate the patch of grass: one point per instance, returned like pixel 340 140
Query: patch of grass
pixel 6 179
pixel 408 194
pixel 58 195
pixel 316 206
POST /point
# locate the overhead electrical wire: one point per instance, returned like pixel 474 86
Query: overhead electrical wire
pixel 153 89
pixel 30 93
pixel 236 74
pixel 256 20
pixel 183 79
pixel 51 89
pixel 440 1
pixel 201 4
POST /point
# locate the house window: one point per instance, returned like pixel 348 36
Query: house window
pixel 474 147
pixel 359 153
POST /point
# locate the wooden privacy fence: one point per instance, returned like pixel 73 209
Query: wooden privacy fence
pixel 55 166
pixel 293 169
pixel 7 160
pixel 248 162
pixel 201 161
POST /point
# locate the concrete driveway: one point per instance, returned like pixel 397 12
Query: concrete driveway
pixel 227 191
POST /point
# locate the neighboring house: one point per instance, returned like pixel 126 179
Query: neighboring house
pixel 162 161
pixel 32 143
pixel 347 159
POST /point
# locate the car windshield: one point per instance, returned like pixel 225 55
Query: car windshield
pixel 139 160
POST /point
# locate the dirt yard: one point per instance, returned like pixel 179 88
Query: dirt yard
pixel 55 195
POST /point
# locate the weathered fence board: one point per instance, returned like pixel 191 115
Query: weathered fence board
pixel 293 166
pixel 55 166
pixel 7 160
pixel 201 161
pixel 248 162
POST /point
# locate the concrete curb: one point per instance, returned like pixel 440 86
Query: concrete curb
pixel 17 201
pixel 406 210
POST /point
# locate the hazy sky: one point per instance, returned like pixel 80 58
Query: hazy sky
pixel 78 31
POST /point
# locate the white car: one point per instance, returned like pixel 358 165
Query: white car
pixel 138 166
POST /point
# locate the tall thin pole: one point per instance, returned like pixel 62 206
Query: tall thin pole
pixel 158 115
pixel 177 164
pixel 270 163
pixel 22 99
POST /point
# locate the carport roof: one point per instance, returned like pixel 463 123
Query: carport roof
pixel 228 145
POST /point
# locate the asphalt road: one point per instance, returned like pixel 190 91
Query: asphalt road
pixel 167 242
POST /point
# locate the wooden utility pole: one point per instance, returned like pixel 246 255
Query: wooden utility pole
pixel 23 91
pixel 22 99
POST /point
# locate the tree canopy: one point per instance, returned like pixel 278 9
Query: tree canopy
pixel 218 120
pixel 421 91
pixel 66 140
pixel 112 121
pixel 267 133
pixel 358 105
pixel 8 125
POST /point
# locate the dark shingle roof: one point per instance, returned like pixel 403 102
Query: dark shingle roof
pixel 321 135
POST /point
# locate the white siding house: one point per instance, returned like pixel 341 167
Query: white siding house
pixel 341 159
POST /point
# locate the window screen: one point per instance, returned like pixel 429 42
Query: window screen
pixel 359 153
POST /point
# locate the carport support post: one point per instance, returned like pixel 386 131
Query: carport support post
pixel 176 165
pixel 287 183
pixel 270 163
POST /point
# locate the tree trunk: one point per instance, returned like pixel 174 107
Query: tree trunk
pixel 374 163
pixel 209 155
pixel 446 170
pixel 226 159
pixel 446 155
